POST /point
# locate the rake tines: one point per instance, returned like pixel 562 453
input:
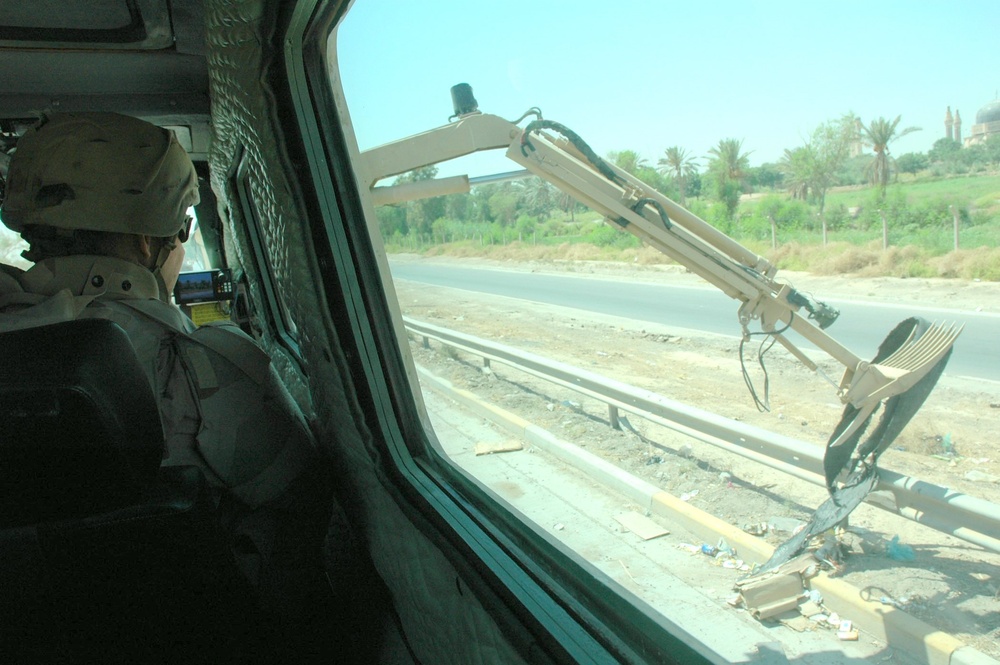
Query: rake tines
pixel 873 382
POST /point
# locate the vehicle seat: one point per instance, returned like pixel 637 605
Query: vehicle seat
pixel 106 556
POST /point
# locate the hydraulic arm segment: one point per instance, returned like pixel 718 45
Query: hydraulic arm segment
pixel 898 378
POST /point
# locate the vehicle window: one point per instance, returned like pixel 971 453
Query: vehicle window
pixel 195 253
pixel 641 324
pixel 11 246
pixel 273 305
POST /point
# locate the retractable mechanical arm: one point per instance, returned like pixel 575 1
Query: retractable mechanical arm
pixel 558 156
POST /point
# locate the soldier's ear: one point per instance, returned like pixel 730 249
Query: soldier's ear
pixel 144 247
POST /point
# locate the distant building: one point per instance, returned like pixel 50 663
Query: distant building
pixel 987 124
pixel 953 125
pixel 857 146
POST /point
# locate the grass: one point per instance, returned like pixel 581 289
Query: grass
pixel 914 250
pixel 976 191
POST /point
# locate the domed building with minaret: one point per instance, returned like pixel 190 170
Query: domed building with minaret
pixel 987 124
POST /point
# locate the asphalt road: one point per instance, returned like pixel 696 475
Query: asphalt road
pixel 861 326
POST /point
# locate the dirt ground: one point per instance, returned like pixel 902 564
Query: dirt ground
pixel 949 583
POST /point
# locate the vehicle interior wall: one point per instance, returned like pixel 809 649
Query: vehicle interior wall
pixel 429 584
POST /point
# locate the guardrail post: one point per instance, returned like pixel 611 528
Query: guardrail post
pixel 486 363
pixel 613 417
pixel 427 342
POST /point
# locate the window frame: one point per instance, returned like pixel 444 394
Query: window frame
pixel 547 590
pixel 277 318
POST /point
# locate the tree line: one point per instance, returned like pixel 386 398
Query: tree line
pixel 843 151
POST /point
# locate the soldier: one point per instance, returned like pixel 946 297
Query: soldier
pixel 102 200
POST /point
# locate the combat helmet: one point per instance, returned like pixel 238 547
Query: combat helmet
pixel 100 172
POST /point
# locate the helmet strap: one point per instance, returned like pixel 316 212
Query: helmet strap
pixel 161 258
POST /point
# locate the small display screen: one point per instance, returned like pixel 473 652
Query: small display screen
pixel 204 286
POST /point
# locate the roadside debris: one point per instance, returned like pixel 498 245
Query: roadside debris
pixel 490 447
pixel 641 525
pixel 769 594
pixel 948 452
pixel 898 551
pixel 977 476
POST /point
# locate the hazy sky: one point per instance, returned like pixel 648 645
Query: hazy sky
pixel 647 74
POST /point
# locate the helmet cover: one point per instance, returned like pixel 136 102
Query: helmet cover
pixel 100 172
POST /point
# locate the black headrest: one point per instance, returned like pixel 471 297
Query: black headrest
pixel 80 430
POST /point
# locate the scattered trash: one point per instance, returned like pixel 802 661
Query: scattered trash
pixel 641 525
pixel 490 447
pixel 898 551
pixel 773 595
pixel 769 594
pixel 901 449
pixel 655 459
pixel 688 547
pixel 815 596
pixel 687 496
pixel 947 447
pixel 786 524
pixel 708 549
pixel 810 609
pixel 559 527
pixel 995 405
pixel 833 620
pixel 977 476
pixel 846 631
pixel 570 404
pixel 796 622
pixel 831 553
pixel 756 529
pixel 550 406
pixel 981 577
pixel 725 475
pixel 686 450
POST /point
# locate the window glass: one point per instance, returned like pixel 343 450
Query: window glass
pixel 195 253
pixel 11 246
pixel 631 329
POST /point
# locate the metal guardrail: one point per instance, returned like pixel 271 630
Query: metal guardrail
pixel 972 519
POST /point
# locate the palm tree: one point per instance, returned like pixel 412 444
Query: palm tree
pixel 627 160
pixel 678 164
pixel 729 164
pixel 795 166
pixel 537 196
pixel 728 159
pixel 880 133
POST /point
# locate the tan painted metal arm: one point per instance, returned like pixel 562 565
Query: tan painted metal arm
pixel 633 206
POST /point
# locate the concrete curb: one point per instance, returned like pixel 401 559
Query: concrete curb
pixel 893 625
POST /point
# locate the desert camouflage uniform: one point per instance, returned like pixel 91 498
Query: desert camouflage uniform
pixel 223 410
